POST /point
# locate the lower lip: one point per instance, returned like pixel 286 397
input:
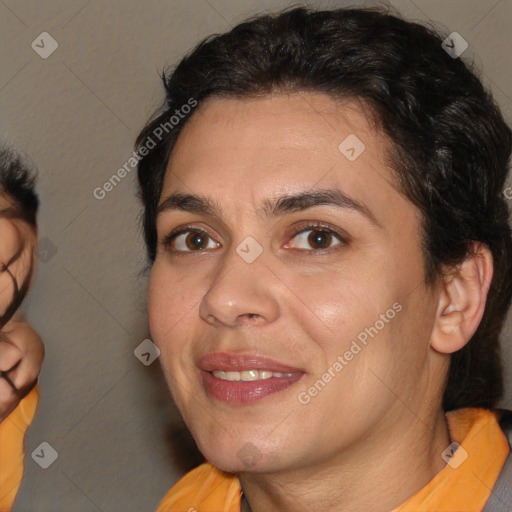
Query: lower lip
pixel 240 392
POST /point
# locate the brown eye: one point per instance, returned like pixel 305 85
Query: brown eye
pixel 189 240
pixel 195 241
pixel 319 238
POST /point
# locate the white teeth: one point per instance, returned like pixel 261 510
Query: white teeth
pixel 248 375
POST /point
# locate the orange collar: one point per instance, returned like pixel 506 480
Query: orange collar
pixel 464 489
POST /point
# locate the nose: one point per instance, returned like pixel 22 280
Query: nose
pixel 241 293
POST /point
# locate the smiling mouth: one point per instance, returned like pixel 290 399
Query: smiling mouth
pixel 248 375
pixel 230 386
pixel 241 379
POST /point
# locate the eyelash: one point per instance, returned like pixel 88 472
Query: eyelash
pixel 318 226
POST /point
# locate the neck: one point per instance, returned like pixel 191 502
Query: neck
pixel 357 482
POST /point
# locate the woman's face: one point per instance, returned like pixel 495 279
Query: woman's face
pixel 332 293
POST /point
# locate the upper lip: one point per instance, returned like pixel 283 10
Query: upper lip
pixel 239 362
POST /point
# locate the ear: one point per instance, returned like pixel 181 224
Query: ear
pixel 462 300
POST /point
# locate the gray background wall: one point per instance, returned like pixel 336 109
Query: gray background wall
pixel 76 114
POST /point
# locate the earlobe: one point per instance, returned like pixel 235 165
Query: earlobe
pixel 462 300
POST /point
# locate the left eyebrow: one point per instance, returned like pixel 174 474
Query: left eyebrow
pixel 272 207
pixel 316 197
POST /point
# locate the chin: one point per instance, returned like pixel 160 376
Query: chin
pixel 241 454
pixel 231 463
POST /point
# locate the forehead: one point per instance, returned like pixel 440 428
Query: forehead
pixel 275 125
pixel 248 150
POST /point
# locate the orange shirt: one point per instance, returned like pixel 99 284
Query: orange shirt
pixel 207 489
pixel 12 433
pixel 465 488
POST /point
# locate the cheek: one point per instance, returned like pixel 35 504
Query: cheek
pixel 334 307
pixel 170 303
pixel 159 303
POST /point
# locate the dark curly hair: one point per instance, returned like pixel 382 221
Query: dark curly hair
pixel 17 185
pixel 450 145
